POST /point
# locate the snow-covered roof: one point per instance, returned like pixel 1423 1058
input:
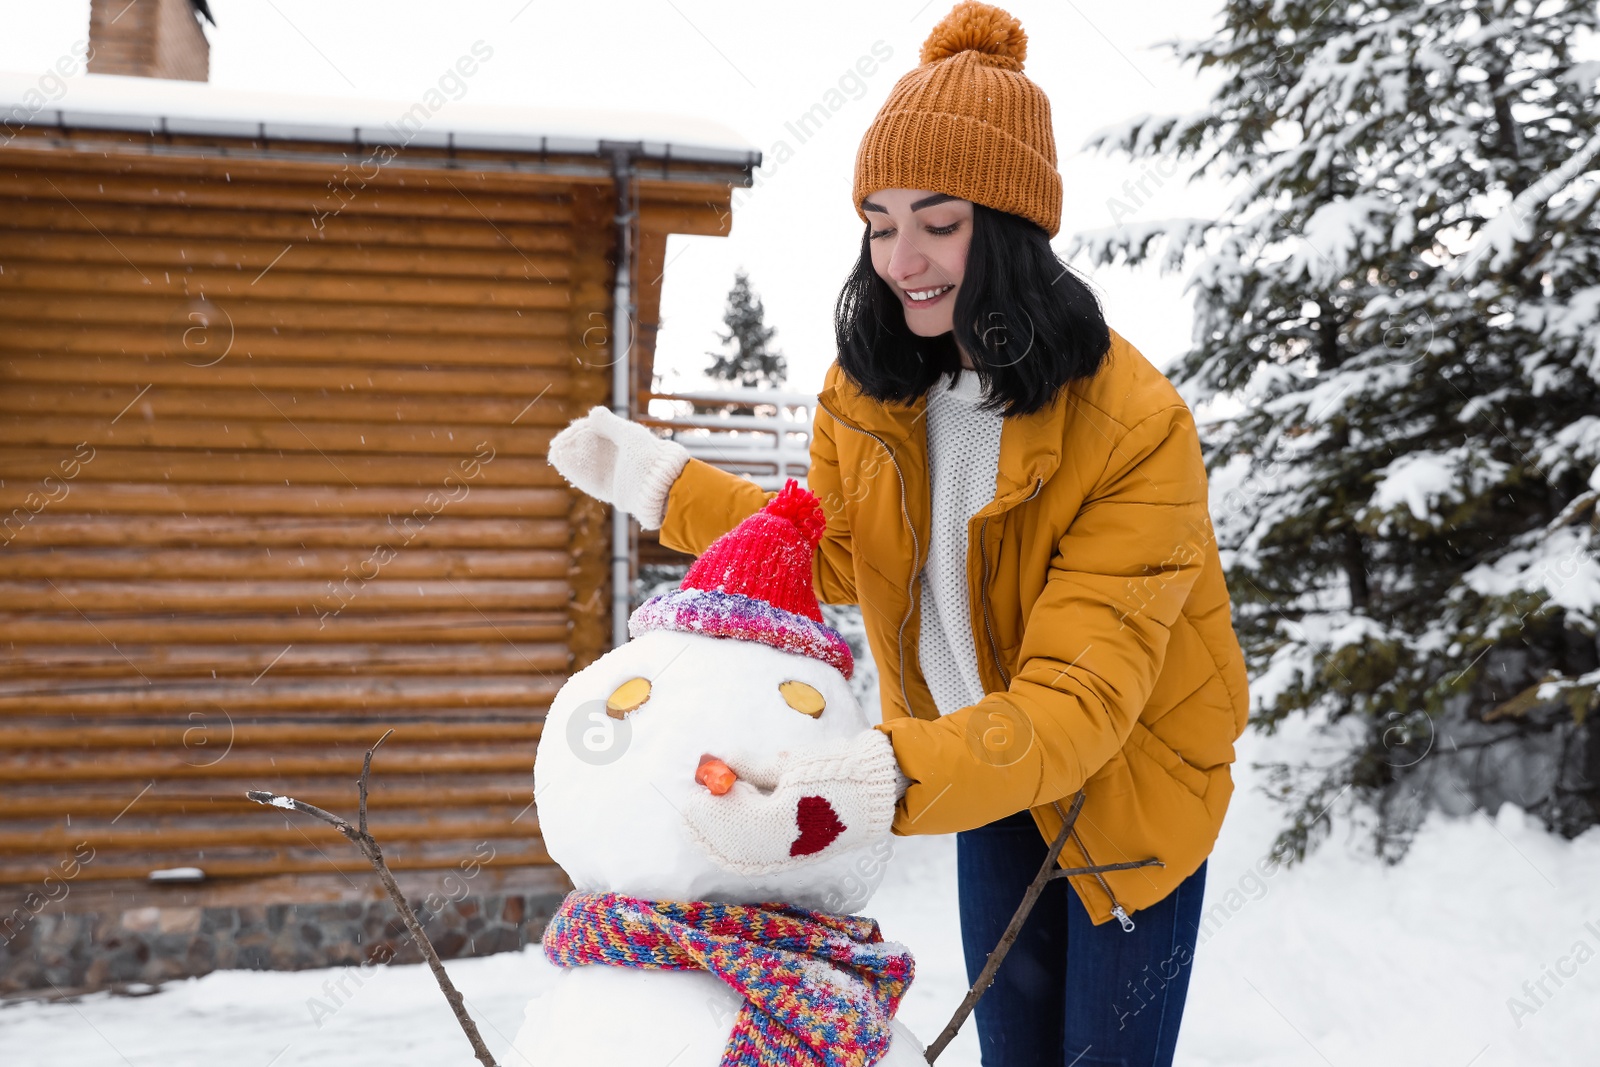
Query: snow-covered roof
pixel 151 105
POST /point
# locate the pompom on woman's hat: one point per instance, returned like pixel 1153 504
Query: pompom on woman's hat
pixel 754 584
pixel 967 122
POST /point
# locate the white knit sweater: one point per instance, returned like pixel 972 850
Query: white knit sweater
pixel 963 459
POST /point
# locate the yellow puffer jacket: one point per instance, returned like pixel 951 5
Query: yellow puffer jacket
pixel 1105 643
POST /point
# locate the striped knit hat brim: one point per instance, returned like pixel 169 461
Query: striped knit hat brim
pixel 743 618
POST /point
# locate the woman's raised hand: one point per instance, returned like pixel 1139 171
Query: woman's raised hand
pixel 757 818
pixel 620 462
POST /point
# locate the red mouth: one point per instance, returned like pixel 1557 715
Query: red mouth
pixel 819 826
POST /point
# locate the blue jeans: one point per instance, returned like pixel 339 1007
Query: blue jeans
pixel 1070 994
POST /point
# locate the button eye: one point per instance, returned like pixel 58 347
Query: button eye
pixel 802 698
pixel 628 697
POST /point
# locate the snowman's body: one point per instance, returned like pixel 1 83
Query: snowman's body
pixel 622 812
pixel 618 1015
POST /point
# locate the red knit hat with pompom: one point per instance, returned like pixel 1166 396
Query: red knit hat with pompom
pixel 754 584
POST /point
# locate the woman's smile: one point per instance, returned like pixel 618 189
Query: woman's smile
pixel 920 298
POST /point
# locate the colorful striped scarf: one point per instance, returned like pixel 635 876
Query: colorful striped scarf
pixel 819 989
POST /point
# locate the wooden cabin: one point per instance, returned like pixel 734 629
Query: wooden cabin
pixel 277 378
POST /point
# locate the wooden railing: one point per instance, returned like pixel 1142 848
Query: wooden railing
pixel 763 434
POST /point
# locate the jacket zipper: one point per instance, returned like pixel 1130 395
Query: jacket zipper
pixel 916 548
pixel 983 587
pixel 983 593
pixel 1116 908
pixel 983 545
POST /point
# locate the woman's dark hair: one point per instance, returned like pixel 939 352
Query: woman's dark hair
pixel 1029 322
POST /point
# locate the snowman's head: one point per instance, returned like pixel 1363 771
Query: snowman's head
pixel 621 806
pixel 735 669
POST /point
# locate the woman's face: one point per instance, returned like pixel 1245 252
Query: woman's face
pixel 919 242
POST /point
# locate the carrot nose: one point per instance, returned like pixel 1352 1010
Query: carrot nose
pixel 715 775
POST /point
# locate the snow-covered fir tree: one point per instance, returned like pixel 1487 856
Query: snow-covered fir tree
pixel 1397 347
pixel 749 359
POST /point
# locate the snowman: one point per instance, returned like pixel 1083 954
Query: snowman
pixel 722 806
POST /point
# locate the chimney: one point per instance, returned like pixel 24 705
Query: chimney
pixel 150 38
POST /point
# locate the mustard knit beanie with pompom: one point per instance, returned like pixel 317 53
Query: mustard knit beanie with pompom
pixel 967 122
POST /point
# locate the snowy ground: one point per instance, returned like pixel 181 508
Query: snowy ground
pixel 1339 961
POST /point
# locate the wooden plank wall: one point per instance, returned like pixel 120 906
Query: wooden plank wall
pixel 272 481
pixel 162 39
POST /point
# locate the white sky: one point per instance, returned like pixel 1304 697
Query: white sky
pixel 753 68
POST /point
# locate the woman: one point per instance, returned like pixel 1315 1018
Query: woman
pixel 1032 552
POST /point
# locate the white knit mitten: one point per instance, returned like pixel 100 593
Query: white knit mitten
pixel 620 462
pixel 824 800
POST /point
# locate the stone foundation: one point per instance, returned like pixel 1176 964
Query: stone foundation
pixel 129 949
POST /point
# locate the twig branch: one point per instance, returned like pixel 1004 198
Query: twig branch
pixel 1047 873
pixel 361 783
pixel 369 848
